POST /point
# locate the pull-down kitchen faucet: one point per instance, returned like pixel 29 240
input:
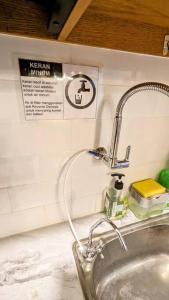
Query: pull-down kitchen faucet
pixel 110 159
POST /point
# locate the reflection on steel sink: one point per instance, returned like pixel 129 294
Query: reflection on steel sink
pixel 142 273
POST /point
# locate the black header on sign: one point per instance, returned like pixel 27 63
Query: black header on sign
pixel 38 68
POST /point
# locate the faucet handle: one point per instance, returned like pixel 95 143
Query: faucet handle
pixel 128 150
pixel 120 164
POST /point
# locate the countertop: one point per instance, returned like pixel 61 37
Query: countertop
pixel 39 265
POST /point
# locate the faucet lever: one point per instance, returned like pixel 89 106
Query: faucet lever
pixel 128 150
pixel 120 164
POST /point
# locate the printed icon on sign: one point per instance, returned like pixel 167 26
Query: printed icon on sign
pixel 80 91
pixel 79 96
pixel 83 87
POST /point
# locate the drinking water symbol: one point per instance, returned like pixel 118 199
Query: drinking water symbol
pixel 80 91
pixel 79 96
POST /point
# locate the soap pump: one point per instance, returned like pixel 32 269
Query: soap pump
pixel 115 205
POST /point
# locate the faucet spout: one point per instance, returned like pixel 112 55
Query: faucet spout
pixel 93 249
pixel 97 224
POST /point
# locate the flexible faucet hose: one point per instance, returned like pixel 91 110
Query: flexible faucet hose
pixel 69 164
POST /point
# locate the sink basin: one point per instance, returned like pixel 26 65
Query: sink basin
pixel 142 273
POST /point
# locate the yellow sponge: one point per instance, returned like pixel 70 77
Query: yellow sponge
pixel 148 188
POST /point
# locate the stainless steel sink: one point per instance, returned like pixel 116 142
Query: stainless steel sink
pixel 142 273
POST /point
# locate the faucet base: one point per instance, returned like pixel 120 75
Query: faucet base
pixel 101 153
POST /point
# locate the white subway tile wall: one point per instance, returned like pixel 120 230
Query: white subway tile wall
pixel 33 153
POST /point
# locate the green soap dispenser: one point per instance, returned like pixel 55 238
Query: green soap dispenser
pixel 164 181
pixel 115 205
pixel 164 178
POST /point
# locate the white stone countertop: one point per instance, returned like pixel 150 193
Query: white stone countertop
pixel 39 265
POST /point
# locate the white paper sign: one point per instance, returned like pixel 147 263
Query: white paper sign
pixel 42 89
pixel 55 91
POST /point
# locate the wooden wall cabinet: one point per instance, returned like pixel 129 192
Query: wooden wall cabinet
pixel 129 25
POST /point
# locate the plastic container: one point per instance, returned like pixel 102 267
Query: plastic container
pixel 144 208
